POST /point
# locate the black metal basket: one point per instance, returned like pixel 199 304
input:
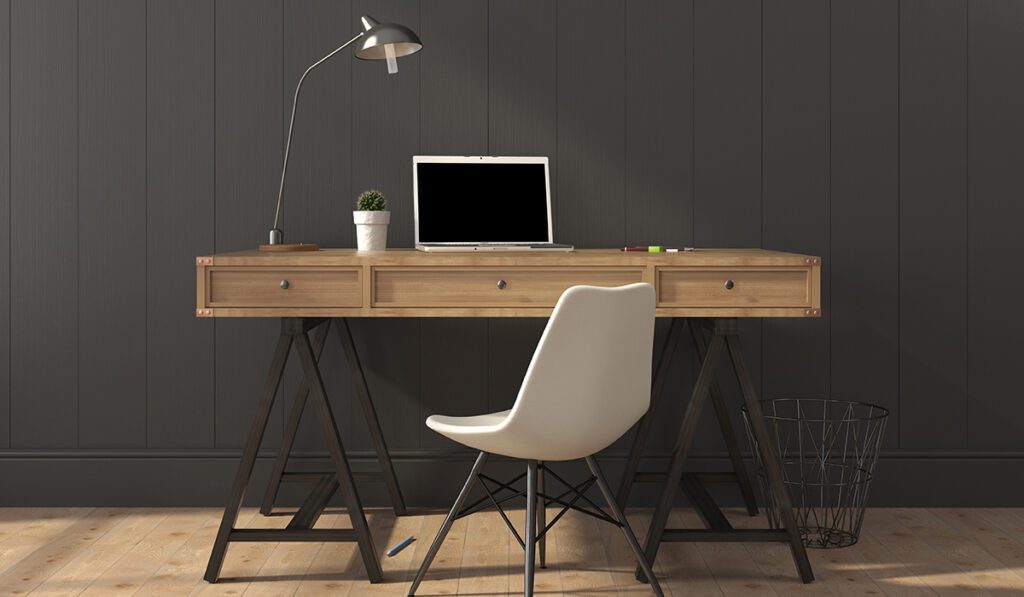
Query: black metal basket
pixel 828 450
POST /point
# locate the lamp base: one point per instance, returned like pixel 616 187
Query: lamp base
pixel 289 247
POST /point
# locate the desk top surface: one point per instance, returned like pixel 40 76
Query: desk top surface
pixel 412 257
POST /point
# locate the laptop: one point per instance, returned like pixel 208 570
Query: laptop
pixel 482 203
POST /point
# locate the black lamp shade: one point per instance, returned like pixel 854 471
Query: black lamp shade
pixel 380 35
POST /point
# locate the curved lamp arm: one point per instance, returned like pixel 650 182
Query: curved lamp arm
pixel 276 236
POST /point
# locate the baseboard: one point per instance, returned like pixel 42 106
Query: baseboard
pixel 431 478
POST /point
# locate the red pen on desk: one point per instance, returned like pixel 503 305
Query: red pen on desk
pixel 657 249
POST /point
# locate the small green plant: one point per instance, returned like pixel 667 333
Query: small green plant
pixel 372 200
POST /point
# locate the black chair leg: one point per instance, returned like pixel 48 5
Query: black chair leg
pixel 531 526
pixel 446 526
pixel 634 545
pixel 542 518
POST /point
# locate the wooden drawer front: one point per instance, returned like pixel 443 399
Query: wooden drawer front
pixel 262 287
pixel 700 287
pixel 478 287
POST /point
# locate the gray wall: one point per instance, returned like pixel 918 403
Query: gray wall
pixel 883 135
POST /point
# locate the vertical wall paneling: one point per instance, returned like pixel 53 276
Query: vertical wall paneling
pixel 522 120
pixel 386 120
pixel 933 224
pixel 727 150
pixel 180 221
pixel 44 223
pixel 385 136
pixel 864 204
pixel 453 120
pixel 112 221
pixel 589 200
pixel 659 122
pixel 995 417
pixel 317 202
pixel 659 158
pixel 795 181
pixel 5 223
pixel 249 148
pixel 881 135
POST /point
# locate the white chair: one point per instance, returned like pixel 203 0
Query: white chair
pixel 588 383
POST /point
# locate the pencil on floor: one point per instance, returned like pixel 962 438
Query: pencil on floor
pixel 405 543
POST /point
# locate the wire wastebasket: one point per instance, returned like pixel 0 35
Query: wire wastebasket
pixel 827 450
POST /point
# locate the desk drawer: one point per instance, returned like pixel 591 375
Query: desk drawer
pixel 706 287
pixel 479 287
pixel 266 287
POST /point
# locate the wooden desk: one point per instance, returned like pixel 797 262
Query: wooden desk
pixel 709 288
pixel 409 283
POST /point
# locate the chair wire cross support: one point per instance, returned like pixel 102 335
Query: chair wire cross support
pixel 537 501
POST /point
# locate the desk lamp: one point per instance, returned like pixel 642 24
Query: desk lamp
pixel 380 41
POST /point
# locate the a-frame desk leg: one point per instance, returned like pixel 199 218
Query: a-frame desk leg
pixel 387 472
pixel 724 340
pixel 632 472
pixel 294 333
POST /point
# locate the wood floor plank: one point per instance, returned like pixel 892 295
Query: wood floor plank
pixel 244 560
pixel 582 561
pixel 734 570
pixel 961 549
pixel 40 531
pixel 776 560
pixel 547 580
pixel 679 566
pixel 114 551
pixel 443 576
pixel 490 549
pixel 35 568
pixel 93 561
pixel 399 570
pixel 183 571
pixel 925 561
pixel 889 573
pixel 337 566
pixel 974 526
pixel 132 570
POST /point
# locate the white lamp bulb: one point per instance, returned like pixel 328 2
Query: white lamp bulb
pixel 389 52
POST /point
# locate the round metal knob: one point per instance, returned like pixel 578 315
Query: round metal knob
pixel 502 284
pixel 285 284
pixel 729 285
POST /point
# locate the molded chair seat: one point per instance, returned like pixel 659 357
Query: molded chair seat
pixel 589 381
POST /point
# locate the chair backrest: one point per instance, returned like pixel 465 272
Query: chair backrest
pixel 590 377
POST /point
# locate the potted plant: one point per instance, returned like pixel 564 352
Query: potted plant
pixel 371 218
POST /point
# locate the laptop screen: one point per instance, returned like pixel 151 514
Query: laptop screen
pixel 482 202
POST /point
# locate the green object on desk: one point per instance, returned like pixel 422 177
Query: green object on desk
pixel 654 249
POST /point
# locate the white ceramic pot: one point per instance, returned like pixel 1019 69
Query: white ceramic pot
pixel 371 229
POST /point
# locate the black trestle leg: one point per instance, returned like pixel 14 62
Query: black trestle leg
pixel 683 442
pixel 531 527
pixel 252 445
pixel 732 445
pixel 446 526
pixel 620 516
pixel 344 333
pixel 332 438
pixel 292 427
pixel 769 459
pixel 643 429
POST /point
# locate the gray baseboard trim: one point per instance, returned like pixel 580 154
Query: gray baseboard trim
pixel 430 478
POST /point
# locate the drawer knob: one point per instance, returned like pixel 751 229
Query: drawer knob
pixel 502 284
pixel 285 284
pixel 729 285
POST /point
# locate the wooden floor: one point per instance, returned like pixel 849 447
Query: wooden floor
pixel 116 551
